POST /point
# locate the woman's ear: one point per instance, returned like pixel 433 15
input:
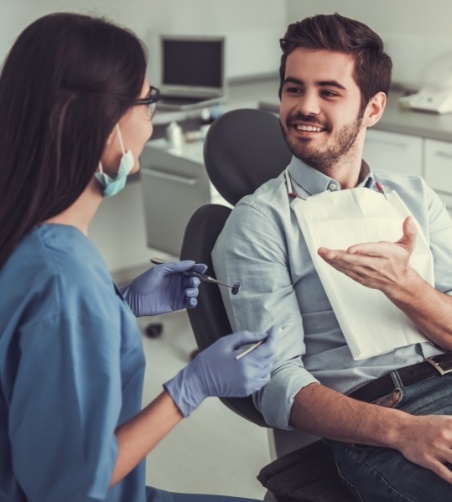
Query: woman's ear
pixel 108 152
pixel 374 109
pixel 110 136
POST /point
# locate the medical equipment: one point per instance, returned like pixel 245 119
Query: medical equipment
pixel 250 348
pixel 436 93
pixel 235 288
pixel 192 71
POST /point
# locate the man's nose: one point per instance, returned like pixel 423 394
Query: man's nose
pixel 308 103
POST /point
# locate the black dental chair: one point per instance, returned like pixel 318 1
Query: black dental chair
pixel 243 149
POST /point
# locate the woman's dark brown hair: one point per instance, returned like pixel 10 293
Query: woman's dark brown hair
pixel 64 85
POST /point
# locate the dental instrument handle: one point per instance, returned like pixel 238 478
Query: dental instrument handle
pixel 206 278
pixel 249 349
pixel 256 345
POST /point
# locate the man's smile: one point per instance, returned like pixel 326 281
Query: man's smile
pixel 309 128
pixel 309 125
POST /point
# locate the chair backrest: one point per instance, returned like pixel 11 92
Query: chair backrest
pixel 243 149
pixel 209 320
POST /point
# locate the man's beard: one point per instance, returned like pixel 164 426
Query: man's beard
pixel 323 160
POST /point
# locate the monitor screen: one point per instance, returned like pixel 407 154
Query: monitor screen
pixel 193 62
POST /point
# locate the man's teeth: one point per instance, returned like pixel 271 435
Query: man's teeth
pixel 308 128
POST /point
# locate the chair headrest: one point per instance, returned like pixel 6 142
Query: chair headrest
pixel 243 149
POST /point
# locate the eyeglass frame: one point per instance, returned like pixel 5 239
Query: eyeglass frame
pixel 150 101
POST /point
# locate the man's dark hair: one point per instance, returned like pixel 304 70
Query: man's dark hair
pixel 372 71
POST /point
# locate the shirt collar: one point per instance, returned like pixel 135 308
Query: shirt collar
pixel 313 182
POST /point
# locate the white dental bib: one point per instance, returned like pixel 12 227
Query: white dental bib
pixel 371 323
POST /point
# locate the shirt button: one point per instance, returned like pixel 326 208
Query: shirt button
pixel 332 186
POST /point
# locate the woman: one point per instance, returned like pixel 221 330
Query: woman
pixel 75 113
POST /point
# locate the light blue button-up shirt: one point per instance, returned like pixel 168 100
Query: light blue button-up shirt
pixel 262 246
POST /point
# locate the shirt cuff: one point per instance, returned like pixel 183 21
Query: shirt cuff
pixel 275 400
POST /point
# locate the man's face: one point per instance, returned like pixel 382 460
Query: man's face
pixel 320 108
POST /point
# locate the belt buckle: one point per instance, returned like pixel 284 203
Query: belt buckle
pixel 437 366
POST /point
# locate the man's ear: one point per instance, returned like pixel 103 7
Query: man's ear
pixel 374 109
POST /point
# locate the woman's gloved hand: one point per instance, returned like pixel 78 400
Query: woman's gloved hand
pixel 164 288
pixel 216 372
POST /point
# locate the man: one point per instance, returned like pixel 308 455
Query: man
pixel 393 439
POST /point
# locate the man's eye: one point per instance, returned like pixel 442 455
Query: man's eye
pixel 329 94
pixel 293 90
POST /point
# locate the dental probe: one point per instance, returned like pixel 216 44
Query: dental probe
pixel 235 288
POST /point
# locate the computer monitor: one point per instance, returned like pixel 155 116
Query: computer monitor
pixel 192 70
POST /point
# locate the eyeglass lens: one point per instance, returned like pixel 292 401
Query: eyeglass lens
pixel 151 109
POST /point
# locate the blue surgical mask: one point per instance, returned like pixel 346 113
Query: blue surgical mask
pixel 111 186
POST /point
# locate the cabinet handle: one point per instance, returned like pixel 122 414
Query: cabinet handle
pixel 171 177
pixel 444 155
pixel 397 145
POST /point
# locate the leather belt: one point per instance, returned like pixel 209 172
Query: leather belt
pixel 431 367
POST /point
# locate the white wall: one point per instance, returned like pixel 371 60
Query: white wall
pixel 250 26
pixel 413 32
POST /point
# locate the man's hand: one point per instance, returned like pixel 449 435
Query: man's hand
pixel 429 444
pixel 378 265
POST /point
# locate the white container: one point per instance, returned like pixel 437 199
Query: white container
pixel 175 135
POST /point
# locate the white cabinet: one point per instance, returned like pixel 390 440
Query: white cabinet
pixel 429 158
pixel 394 151
pixel 175 184
pixel 438 168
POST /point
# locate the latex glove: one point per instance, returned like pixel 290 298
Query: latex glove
pixel 216 372
pixel 164 288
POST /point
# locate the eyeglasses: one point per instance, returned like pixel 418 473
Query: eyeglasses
pixel 150 101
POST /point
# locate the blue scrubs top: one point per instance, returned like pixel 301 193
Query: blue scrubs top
pixel 71 372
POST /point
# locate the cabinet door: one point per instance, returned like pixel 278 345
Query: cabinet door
pixel 394 152
pixel 174 186
pixel 438 168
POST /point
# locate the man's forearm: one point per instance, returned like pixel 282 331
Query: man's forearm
pixel 327 413
pixel 423 440
pixel 427 307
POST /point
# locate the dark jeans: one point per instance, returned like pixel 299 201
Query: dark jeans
pixel 382 474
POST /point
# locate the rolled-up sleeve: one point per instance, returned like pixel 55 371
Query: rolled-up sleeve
pixel 440 234
pixel 252 250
